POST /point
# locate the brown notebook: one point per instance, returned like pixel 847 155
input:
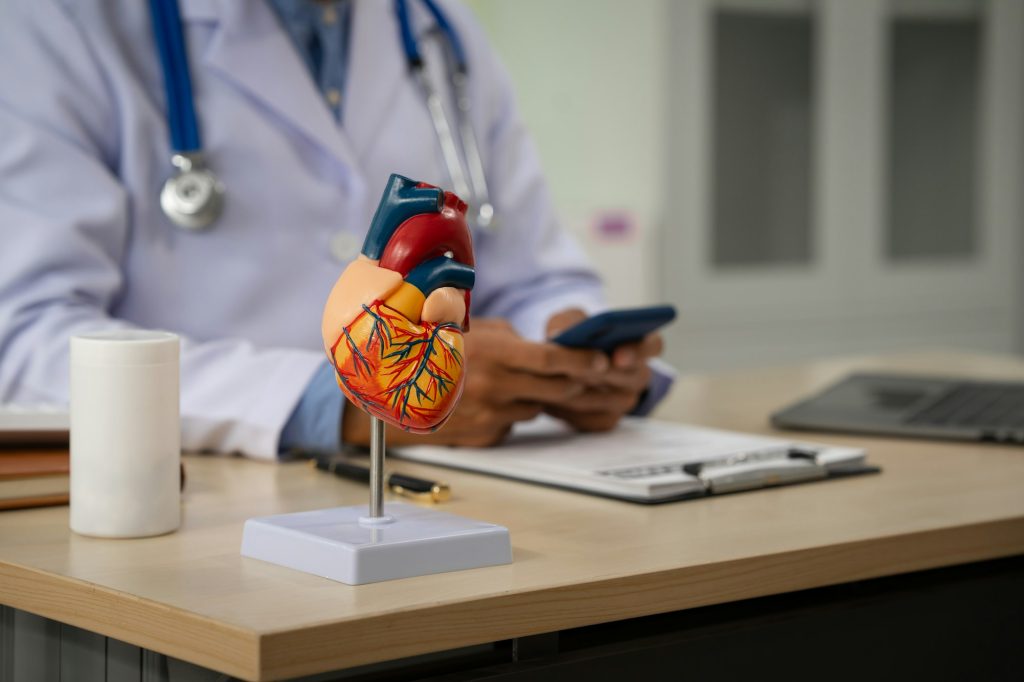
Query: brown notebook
pixel 34 478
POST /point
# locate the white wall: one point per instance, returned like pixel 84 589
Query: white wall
pixel 598 81
pixel 590 76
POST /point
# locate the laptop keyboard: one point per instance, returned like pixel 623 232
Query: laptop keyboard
pixel 998 409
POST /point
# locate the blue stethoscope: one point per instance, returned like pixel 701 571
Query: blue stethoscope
pixel 193 197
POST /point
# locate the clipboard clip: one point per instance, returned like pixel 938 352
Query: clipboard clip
pixel 761 469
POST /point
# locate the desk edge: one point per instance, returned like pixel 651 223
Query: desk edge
pixel 348 643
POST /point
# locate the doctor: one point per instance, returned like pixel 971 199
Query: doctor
pixel 304 109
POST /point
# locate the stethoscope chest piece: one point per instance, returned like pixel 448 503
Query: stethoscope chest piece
pixel 193 197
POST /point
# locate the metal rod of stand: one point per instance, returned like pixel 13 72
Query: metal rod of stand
pixel 376 468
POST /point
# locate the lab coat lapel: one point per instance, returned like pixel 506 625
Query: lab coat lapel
pixel 252 51
pixel 376 72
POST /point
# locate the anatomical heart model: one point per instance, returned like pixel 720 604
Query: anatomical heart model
pixel 393 327
pixel 393 323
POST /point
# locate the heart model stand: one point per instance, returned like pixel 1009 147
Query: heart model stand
pixel 418 245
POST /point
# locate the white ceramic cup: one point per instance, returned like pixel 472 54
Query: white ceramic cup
pixel 125 434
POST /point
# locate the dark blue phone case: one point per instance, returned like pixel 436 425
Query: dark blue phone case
pixel 608 330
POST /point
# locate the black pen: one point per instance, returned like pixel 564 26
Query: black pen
pixel 408 486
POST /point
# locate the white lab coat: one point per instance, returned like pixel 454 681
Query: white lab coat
pixel 84 151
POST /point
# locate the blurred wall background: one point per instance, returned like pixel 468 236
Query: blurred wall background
pixel 801 178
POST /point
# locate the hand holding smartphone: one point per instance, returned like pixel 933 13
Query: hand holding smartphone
pixel 608 330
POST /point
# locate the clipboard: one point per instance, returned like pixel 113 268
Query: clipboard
pixel 649 461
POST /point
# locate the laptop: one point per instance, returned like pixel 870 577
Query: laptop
pixel 917 406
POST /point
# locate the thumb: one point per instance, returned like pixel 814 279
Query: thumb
pixel 564 319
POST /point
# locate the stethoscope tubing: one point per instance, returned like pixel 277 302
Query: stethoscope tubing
pixel 410 45
pixel 186 143
pixel 469 181
pixel 170 43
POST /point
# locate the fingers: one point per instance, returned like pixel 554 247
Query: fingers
pixel 479 425
pixel 512 368
pixel 561 321
pixel 551 359
pixel 597 410
pixel 595 422
pixel 496 342
pixel 601 407
pixel 635 379
pixel 629 355
pixel 511 386
pixel 500 386
pixel 518 411
pixel 602 399
pixel 485 425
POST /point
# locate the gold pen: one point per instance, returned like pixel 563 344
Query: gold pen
pixel 418 489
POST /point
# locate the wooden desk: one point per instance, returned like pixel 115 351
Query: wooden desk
pixel 579 560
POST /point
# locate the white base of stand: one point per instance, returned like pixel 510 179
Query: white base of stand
pixel 344 545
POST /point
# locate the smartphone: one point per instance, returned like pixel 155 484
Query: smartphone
pixel 608 330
